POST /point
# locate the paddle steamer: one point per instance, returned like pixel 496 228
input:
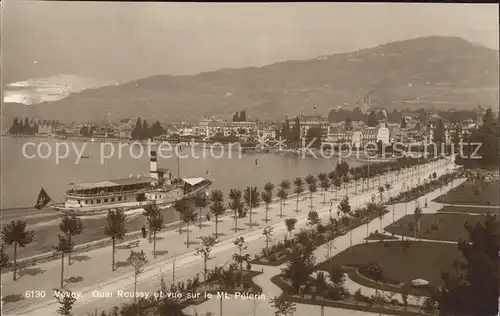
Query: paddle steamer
pixel 130 193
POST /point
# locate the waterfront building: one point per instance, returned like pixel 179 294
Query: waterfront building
pixel 314 121
pixel 373 135
pixel 187 132
pixel 465 129
pixel 125 132
pixel 383 135
pixel 210 126
pixel 74 129
pixel 104 132
pixel 338 134
pixel 357 137
pixel 369 135
pixel 44 130
pixel 267 131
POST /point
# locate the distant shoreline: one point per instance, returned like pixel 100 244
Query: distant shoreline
pixel 73 138
pixel 112 140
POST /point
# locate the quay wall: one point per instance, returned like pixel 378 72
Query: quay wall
pixel 101 243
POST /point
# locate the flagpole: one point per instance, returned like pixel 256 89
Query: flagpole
pixel 178 159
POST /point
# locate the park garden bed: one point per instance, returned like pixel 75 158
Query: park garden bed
pixel 397 263
pixel 424 188
pixel 437 226
pixel 312 238
pixel 228 281
pixel 339 297
pixel 380 236
pixel 472 210
pixel 218 280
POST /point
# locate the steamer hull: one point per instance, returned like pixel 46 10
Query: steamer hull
pixel 164 197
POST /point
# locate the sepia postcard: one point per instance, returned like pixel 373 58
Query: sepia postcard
pixel 249 159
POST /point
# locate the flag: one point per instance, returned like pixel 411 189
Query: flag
pixel 42 200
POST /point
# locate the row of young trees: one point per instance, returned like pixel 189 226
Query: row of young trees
pixel 164 305
pixel 302 264
pixel 241 204
pixel 470 289
pixel 17 235
pixel 240 257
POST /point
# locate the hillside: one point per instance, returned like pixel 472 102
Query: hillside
pixel 430 72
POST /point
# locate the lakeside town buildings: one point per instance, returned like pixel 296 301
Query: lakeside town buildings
pixel 357 133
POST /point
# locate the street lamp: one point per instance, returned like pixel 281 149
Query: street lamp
pixel 330 210
pixel 173 268
pixel 350 242
pixel 221 305
pixel 393 212
pixel 367 222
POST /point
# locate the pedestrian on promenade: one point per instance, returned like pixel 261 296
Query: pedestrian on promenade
pixel 144 233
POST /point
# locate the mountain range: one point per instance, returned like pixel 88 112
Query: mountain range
pixel 427 72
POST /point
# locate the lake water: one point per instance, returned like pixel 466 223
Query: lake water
pixel 22 177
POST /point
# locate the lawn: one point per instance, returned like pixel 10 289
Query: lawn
pixel 423 260
pixel 466 209
pixel 450 227
pixel 472 194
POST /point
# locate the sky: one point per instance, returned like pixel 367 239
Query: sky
pixel 126 41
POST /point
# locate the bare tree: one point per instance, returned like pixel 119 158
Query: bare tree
pixel 137 260
pixel 207 243
pixel 268 234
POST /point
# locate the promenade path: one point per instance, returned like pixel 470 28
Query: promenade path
pixel 238 307
pixel 471 205
pixel 92 269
